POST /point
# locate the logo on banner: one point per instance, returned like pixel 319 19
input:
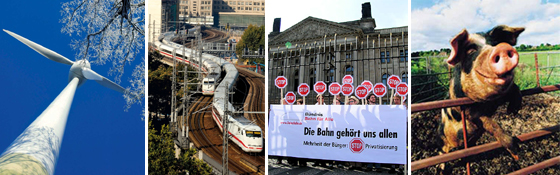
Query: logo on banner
pixel 393 81
pixel 347 89
pixel 368 85
pixel 290 97
pixel 402 89
pixel 357 145
pixel 281 82
pixel 335 88
pixel 303 89
pixel 320 87
pixel 347 79
pixel 379 90
pixel 361 92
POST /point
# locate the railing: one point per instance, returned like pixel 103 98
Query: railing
pixel 418 107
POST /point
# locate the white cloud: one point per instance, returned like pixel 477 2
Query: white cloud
pixel 434 26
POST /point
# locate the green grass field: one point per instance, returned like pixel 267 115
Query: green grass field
pixel 526 72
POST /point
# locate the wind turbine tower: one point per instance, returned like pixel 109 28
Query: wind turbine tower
pixel 36 150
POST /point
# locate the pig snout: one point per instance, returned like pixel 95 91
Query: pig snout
pixel 504 59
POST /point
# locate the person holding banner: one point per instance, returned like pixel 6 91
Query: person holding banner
pixel 320 100
pixel 397 99
pixel 299 102
pixel 336 100
pixel 371 99
pixel 353 100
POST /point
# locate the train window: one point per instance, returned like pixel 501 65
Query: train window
pixel 253 133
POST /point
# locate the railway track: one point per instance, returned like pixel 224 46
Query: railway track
pixel 255 97
pixel 206 136
pixel 209 35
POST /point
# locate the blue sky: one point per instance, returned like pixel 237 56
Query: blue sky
pixel 387 13
pixel 434 23
pixel 100 137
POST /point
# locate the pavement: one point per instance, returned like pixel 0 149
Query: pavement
pixel 285 168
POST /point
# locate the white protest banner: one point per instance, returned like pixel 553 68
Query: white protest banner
pixel 357 133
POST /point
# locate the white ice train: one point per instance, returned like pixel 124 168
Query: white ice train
pixel 244 133
pixel 211 69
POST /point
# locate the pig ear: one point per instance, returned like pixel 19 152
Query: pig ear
pixel 455 44
pixel 503 33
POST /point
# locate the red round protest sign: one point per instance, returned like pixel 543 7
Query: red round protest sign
pixel 320 87
pixel 368 85
pixel 347 79
pixel 402 89
pixel 290 97
pixel 356 145
pixel 335 88
pixel 347 89
pixel 379 90
pixel 361 92
pixel 281 82
pixel 393 81
pixel 303 89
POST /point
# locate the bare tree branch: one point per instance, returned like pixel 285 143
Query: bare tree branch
pixel 113 33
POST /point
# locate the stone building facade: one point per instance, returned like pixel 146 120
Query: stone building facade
pixel 238 13
pixel 323 50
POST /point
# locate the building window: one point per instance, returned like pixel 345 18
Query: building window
pixel 330 77
pixel 388 55
pixel 384 79
pixel 296 79
pixel 382 57
pixel 401 55
pixel 406 55
pixel 404 77
pixel 348 56
pixel 349 70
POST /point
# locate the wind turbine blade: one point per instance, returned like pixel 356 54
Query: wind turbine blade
pixel 92 75
pixel 42 50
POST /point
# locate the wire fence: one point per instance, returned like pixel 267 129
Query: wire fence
pixel 431 74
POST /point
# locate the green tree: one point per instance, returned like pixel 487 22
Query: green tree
pixel 253 38
pixel 159 83
pixel 161 155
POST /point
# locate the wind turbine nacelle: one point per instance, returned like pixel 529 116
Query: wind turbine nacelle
pixel 80 69
pixel 76 71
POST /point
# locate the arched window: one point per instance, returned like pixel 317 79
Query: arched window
pixel 384 79
pixel 349 70
pixel 404 77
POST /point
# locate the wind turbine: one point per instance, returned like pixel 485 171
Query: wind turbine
pixel 36 150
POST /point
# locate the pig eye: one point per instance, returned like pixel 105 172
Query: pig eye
pixel 472 49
